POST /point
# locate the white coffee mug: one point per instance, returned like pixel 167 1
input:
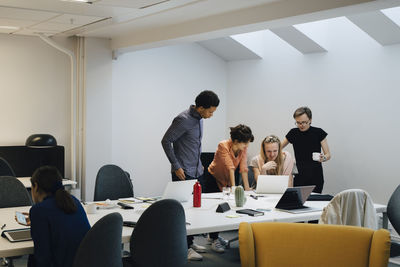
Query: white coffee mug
pixel 91 208
pixel 316 156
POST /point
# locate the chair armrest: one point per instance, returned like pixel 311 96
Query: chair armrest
pixel 246 245
pixel 380 248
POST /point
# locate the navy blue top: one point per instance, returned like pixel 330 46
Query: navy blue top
pixel 182 142
pixel 56 235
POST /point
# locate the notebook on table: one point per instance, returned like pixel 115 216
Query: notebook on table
pixel 293 199
pixel 272 184
pixel 179 190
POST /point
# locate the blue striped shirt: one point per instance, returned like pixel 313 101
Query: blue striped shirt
pixel 182 142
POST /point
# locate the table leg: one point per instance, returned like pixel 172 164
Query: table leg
pixel 384 220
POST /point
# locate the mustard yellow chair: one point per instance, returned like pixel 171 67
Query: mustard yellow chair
pixel 300 244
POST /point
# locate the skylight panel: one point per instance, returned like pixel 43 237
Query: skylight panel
pixel 393 14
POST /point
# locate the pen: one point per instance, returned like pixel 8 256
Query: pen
pixel 4 225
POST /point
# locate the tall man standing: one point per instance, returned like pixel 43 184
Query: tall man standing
pixel 182 145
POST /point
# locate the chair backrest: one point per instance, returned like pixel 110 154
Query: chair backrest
pixel 159 237
pixel 112 183
pixel 250 174
pixel 5 168
pixel 298 244
pixel 393 209
pixel 13 193
pixel 350 207
pixel 101 246
pixel 250 177
pixel 206 158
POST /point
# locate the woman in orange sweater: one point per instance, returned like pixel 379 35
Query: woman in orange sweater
pixel 231 154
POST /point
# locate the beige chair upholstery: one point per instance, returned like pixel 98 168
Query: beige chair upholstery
pixel 351 207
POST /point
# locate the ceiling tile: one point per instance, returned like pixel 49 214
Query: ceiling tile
pixel 57 27
pixel 26 31
pixel 130 3
pixel 74 19
pixel 16 22
pixel 25 14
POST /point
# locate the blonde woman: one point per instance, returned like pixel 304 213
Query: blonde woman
pixel 272 160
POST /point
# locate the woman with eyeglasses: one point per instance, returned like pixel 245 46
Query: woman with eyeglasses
pixel 307 140
pixel 272 160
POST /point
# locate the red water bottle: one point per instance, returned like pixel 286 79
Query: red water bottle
pixel 197 195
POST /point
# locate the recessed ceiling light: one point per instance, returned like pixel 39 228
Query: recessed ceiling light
pixel 9 27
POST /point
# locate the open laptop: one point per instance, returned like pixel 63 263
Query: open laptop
pixel 293 199
pixel 272 184
pixel 179 190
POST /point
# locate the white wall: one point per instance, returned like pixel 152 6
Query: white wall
pixel 352 90
pixel 353 93
pixel 98 110
pixel 149 89
pixel 35 91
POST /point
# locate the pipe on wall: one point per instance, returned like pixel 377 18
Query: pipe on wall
pixel 73 99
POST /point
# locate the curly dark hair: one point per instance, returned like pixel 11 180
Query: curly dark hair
pixel 241 133
pixel 207 99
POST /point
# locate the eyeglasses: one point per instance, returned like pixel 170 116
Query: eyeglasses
pixel 301 123
pixel 271 139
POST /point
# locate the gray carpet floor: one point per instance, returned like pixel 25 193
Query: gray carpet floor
pixel 213 259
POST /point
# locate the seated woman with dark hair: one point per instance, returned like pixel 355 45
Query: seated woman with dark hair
pixel 230 155
pixel 57 219
pixel 272 160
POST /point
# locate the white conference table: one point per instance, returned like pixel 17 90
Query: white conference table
pixel 202 220
pixel 26 181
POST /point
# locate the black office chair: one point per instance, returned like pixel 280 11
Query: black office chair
pixel 393 213
pixel 5 168
pixel 101 246
pixel 112 183
pixel 12 194
pixel 206 158
pixel 160 229
pixel 250 177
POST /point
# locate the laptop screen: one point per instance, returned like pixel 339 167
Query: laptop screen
pixel 179 190
pixel 272 184
pixel 294 197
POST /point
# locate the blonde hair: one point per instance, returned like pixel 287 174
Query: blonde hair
pixel 270 139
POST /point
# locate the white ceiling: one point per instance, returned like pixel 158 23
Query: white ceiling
pixel 57 16
pixel 147 23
